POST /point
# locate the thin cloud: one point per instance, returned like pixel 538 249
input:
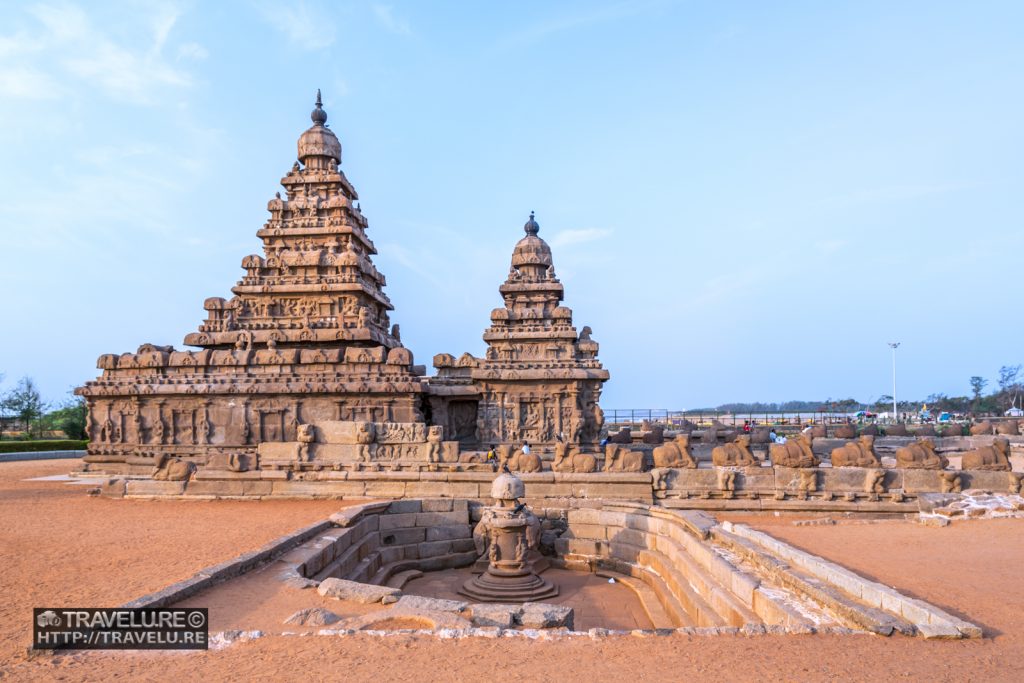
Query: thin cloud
pixel 567 237
pixel 192 51
pixel 386 16
pixel 304 25
pixel 68 49
pixel 567 22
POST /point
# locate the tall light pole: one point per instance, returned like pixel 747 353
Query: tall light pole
pixel 894 346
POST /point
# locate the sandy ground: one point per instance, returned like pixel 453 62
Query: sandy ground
pixel 61 547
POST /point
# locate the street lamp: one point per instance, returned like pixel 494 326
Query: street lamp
pixel 894 346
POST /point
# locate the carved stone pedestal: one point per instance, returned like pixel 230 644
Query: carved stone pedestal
pixel 507 535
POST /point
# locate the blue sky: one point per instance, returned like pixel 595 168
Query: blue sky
pixel 746 201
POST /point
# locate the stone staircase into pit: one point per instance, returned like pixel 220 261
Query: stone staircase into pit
pixel 706 574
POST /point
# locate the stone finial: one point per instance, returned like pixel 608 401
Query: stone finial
pixel 531 227
pixel 319 116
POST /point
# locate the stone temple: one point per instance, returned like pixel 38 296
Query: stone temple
pixel 539 379
pixel 303 369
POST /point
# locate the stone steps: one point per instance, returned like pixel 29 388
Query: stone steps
pixel 647 597
pixel 399 579
pixel 852 598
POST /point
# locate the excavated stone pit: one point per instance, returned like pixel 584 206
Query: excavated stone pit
pixel 373 566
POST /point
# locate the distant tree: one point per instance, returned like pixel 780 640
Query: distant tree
pixel 25 403
pixel 978 385
pixel 1009 387
pixel 69 418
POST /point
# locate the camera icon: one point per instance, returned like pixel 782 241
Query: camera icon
pixel 48 618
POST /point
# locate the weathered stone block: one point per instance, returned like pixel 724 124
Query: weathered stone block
pixel 401 537
pixel 441 518
pixel 434 548
pixel 152 487
pixel 448 532
pixel 357 592
pixel 397 521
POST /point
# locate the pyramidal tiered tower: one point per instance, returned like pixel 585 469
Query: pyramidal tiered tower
pixel 306 338
pixel 540 380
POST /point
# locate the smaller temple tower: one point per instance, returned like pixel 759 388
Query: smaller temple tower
pixel 539 381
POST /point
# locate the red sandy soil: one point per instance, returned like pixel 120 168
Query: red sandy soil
pixel 64 548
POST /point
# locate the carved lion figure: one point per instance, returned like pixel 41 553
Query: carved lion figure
pixel 796 452
pixel 569 459
pixel 675 453
pixel 619 459
pixel 735 454
pixel 920 455
pixel 859 453
pixel 994 457
pixel 435 435
pixel 366 433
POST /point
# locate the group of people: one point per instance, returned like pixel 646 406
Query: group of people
pixel 491 458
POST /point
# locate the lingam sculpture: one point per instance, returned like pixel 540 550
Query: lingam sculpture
pixel 507 537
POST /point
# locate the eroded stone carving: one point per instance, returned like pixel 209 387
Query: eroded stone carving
pixel 675 453
pixel 508 534
pixel 874 481
pixel 921 455
pixel 619 459
pixel 569 459
pixel 994 457
pixel 796 452
pixel 860 453
pixel 951 482
pixel 736 454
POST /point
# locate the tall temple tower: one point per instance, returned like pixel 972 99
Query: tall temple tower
pixel 539 379
pixel 305 338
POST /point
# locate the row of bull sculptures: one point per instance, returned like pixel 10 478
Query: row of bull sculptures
pixel 795 452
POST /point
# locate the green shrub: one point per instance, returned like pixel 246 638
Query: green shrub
pixel 46 445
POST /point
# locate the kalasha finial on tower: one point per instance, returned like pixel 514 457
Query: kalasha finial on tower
pixel 531 227
pixel 319 116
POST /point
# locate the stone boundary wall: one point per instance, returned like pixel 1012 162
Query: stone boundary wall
pixel 41 455
pixel 371 543
pixel 550 487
